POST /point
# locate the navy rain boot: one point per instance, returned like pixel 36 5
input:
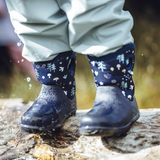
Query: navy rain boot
pixel 115 108
pixel 57 100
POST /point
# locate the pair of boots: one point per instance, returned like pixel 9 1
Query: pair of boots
pixel 114 110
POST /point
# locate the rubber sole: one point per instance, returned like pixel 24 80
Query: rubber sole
pixel 106 131
pixel 36 129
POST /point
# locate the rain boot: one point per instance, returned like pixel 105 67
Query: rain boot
pixel 115 108
pixel 56 100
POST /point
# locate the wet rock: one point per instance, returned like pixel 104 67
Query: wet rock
pixel 43 151
pixel 3 142
pixel 142 142
pixel 3 149
pixel 8 156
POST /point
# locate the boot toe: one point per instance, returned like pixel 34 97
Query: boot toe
pixel 112 113
pixel 31 121
pixel 48 112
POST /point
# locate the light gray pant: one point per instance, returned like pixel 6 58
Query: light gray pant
pixel 48 27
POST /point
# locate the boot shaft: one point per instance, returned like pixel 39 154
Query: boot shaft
pixel 115 69
pixel 58 71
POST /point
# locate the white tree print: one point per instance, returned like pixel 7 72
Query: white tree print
pixel 36 72
pixel 125 85
pixel 121 58
pixel 72 91
pixel 101 66
pixel 122 84
pixel 51 67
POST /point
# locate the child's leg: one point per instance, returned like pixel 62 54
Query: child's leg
pixel 97 28
pixel 42 26
pixel 101 29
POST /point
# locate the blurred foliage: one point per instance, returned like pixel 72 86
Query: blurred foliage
pixel 146 73
pixel 146 33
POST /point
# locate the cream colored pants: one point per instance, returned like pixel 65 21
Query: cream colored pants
pixel 49 27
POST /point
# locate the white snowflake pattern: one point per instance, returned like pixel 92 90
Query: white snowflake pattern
pixel 43 77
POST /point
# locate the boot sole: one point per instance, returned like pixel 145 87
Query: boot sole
pixel 36 129
pixel 106 131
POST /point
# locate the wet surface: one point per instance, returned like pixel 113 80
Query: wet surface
pixel 142 141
